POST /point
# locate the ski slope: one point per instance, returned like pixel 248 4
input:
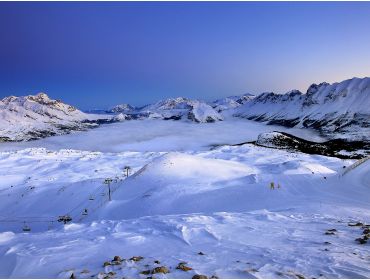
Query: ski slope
pixel 177 204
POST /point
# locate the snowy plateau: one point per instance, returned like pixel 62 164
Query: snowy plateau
pixel 266 186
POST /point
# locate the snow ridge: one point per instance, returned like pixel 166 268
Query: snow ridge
pixel 180 108
pixel 340 108
pixel 34 116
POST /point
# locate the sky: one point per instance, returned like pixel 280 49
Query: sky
pixel 99 54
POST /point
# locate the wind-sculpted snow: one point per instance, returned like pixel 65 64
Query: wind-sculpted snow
pixel 216 210
pixel 32 117
pixel 258 244
pixel 341 110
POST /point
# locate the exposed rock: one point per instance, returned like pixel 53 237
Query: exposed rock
pixel 136 259
pixel 160 269
pixel 361 240
pixel 107 264
pixel 116 260
pixel 182 266
pixel 199 276
pixel 358 224
pixel 122 108
pixel 333 109
pixel 282 140
pixel 146 272
pixel 109 275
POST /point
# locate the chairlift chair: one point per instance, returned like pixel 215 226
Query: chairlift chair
pixel 26 228
pixel 64 218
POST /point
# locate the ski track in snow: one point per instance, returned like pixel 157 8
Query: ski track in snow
pixel 178 204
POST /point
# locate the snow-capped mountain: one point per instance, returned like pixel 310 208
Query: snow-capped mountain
pixel 341 108
pixel 36 116
pixel 180 108
pixel 231 102
pixel 122 108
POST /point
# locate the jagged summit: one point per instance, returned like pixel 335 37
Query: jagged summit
pixel 231 102
pixel 34 116
pixel 170 103
pixel 122 108
pixel 339 108
pixel 180 108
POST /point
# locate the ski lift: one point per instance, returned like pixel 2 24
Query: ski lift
pixel 84 213
pixel 64 218
pixel 127 170
pixel 91 197
pixel 26 228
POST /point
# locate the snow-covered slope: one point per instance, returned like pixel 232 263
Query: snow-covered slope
pixel 37 116
pixel 214 210
pixel 339 109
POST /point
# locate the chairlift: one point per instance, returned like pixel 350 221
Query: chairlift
pixel 84 213
pixel 91 197
pixel 64 218
pixel 26 228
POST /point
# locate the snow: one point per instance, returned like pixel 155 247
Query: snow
pixel 177 204
pixel 122 108
pixel 252 212
pixel 32 116
pixel 180 108
pixel 336 110
pixel 120 117
pixel 339 109
pixel 231 102
pixel 202 112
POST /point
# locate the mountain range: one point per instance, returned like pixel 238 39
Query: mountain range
pixel 338 110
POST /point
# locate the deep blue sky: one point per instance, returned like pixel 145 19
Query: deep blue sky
pixel 95 54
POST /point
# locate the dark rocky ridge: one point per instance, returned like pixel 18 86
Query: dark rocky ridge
pixel 340 148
